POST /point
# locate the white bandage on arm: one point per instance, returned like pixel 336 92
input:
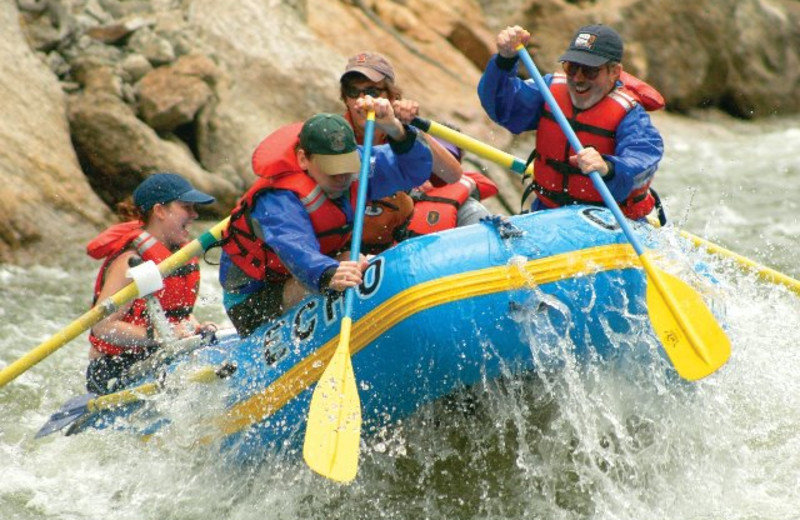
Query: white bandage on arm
pixel 147 278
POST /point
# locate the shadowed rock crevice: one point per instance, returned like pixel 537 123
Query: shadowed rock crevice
pixel 187 133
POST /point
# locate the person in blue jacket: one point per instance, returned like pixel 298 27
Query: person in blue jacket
pixel 290 233
pixel 620 141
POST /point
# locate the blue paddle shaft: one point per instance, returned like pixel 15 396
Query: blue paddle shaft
pixel 597 180
pixel 361 206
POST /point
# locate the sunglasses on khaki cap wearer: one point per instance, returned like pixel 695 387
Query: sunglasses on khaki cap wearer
pixel 355 92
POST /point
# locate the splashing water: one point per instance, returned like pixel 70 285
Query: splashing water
pixel 612 438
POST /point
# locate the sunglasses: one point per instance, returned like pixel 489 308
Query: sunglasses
pixel 355 93
pixel 590 73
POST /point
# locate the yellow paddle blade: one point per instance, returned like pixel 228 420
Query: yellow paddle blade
pixel 691 335
pixel 333 430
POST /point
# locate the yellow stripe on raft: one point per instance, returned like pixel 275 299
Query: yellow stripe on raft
pixel 417 299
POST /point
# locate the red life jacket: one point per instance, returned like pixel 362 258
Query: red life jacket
pixel 436 208
pixel 557 183
pixel 178 296
pixel 275 163
pixel 429 209
pixel 645 94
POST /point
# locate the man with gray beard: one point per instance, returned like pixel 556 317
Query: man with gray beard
pixel 604 106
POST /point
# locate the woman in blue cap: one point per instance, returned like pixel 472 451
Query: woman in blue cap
pixel 163 207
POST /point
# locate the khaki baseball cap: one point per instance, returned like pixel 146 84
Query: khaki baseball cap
pixel 371 64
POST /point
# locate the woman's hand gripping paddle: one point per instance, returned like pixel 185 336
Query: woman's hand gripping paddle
pixel 691 336
pixel 333 428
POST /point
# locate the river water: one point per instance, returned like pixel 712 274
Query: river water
pixel 579 442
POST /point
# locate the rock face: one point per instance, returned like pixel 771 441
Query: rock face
pixel 740 56
pixel 97 94
pixel 43 192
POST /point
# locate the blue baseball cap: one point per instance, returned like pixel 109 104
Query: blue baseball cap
pixel 163 188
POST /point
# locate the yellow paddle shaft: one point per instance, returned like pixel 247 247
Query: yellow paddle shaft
pixel 764 272
pixel 479 148
pixel 132 395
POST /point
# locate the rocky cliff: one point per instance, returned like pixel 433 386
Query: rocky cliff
pixel 96 94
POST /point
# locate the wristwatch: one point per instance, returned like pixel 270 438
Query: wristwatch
pixel 325 279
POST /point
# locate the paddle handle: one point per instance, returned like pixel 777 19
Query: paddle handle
pixel 597 180
pixel 361 205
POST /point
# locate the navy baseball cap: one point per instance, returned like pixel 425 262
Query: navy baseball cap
pixel 163 188
pixel 594 45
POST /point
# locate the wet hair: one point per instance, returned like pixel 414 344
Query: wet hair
pixel 348 79
pixel 127 211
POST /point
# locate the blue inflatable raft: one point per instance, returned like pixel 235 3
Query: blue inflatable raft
pixel 435 314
